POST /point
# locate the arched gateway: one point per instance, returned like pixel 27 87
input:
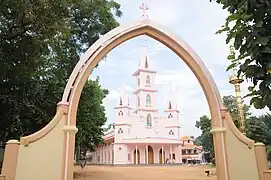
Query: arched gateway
pixel 49 153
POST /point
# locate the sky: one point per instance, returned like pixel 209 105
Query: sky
pixel 196 22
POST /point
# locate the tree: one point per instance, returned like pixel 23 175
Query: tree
pixel 40 43
pixel 259 129
pixel 198 141
pixel 206 137
pixel 108 127
pixel 248 27
pixel 91 116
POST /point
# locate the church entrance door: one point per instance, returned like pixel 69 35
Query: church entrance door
pixel 138 157
pixel 161 156
pixel 150 155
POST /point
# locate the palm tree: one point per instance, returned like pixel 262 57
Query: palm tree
pixel 259 129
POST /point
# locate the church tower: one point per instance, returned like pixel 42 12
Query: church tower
pixel 172 120
pixel 123 112
pixel 145 92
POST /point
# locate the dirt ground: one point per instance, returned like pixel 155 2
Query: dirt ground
pixel 143 173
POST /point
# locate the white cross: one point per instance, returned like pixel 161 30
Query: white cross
pixel 144 9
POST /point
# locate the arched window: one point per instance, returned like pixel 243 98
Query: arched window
pixel 120 131
pixel 195 151
pixel 138 101
pixel 148 100
pixel 120 113
pixel 148 80
pixel 149 121
pixel 170 116
pixel 171 132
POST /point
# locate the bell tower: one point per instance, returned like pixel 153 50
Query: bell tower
pixel 172 120
pixel 145 92
pixel 123 112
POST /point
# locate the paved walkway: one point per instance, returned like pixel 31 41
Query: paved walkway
pixel 143 173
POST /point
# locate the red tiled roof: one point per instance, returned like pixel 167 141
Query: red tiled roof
pixel 185 138
pixel 191 146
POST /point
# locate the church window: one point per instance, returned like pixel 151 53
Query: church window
pixel 195 151
pixel 171 132
pixel 120 101
pixel 120 131
pixel 170 116
pixel 120 113
pixel 129 130
pixel 146 63
pixel 148 80
pixel 138 82
pixel 148 100
pixel 188 141
pixel 149 121
pixel 138 101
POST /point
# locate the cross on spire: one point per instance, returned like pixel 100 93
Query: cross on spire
pixel 144 9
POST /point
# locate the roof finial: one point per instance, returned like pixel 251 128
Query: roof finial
pixel 169 105
pixel 120 101
pixel 144 9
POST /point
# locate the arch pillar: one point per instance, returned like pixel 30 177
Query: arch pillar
pixel 70 131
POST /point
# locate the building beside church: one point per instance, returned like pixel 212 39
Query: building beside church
pixel 142 135
pixel 191 153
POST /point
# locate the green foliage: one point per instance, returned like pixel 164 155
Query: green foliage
pixel 40 43
pixel 206 137
pixel 198 141
pixel 108 127
pixel 248 27
pixel 91 116
pixel 259 129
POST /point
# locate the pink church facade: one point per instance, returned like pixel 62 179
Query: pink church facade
pixel 142 135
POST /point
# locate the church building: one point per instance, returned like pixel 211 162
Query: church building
pixel 142 135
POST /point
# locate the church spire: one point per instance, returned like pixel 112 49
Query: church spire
pixel 123 99
pixel 145 91
pixel 120 102
pixel 169 105
pixel 144 62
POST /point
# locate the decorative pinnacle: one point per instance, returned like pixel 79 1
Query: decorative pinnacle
pixel 234 79
pixel 144 9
